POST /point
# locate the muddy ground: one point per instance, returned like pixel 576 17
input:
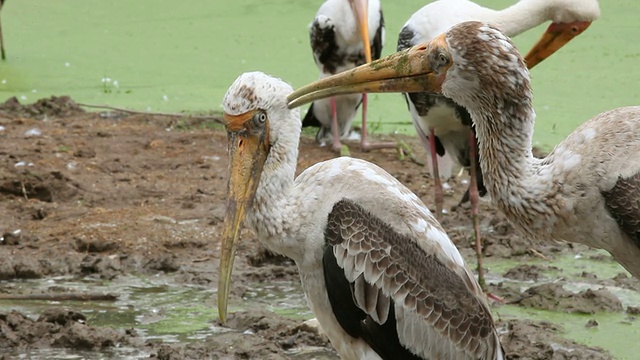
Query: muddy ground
pixel 107 194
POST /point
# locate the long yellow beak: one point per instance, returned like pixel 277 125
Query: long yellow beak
pixel 556 36
pixel 248 149
pixel 406 71
pixel 361 10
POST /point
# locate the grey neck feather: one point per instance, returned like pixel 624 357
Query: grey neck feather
pixel 509 168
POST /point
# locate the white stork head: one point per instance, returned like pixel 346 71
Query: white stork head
pixel 569 18
pixel 261 130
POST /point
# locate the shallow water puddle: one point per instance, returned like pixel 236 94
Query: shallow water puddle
pixel 615 332
pixel 159 308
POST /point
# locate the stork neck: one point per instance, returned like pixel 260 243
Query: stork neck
pixel 522 16
pixel 270 206
pixel 510 171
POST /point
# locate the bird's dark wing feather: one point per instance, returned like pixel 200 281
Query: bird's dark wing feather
pixel 324 46
pixel 310 118
pixel 404 39
pixel 376 45
pixel 623 203
pixel 403 301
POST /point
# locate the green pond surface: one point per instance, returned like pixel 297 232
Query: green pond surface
pixel 161 55
pixel 159 308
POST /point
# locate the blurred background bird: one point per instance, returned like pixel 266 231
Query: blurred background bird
pixel 344 34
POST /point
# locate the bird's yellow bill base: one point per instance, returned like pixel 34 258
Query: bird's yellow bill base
pixel 248 149
pixel 404 71
pixel 556 36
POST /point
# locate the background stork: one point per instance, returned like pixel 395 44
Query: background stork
pixel 344 34
pixel 378 271
pixel 444 127
pixel 586 190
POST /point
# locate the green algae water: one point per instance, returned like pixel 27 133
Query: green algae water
pixel 159 308
pixel 164 55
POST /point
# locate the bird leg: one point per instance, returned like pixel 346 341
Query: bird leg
pixel 337 144
pixel 2 53
pixel 436 174
pixel 364 143
pixel 474 198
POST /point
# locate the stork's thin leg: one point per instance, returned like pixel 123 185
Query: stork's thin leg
pixel 436 174
pixel 2 53
pixel 364 143
pixel 474 198
pixel 337 145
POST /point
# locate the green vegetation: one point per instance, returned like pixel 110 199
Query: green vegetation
pixel 167 56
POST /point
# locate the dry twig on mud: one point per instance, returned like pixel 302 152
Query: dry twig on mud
pixel 61 297
pixel 216 118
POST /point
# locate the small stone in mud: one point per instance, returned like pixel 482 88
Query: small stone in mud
pixel 588 275
pixel 83 244
pixel 10 238
pixel 164 262
pixel 524 272
pixel 108 267
pixel 39 214
pixel 633 310
pixel 61 316
pixel 85 153
pixel 591 323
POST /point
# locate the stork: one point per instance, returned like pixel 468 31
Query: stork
pixel 378 271
pixel 445 127
pixel 344 34
pixel 587 190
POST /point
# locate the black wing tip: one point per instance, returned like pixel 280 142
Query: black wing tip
pixel 623 203
pixel 310 119
pixel 404 38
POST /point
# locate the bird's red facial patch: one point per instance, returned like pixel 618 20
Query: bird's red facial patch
pixel 237 122
pixel 573 29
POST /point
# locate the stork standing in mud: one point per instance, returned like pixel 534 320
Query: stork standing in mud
pixel 587 190
pixel 344 34
pixel 378 271
pixel 443 126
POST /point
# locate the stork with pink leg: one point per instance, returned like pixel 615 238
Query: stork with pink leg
pixel 444 127
pixel 587 190
pixel 344 34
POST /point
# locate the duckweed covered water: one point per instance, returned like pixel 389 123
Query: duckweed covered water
pixel 163 56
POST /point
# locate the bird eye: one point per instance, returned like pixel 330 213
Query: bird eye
pixel 575 29
pixel 260 118
pixel 442 59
